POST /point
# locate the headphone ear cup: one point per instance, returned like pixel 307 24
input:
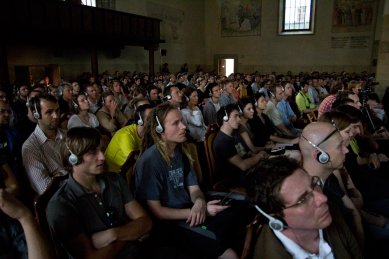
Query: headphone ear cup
pixel 36 115
pixel 225 117
pixel 73 159
pixel 323 157
pixel 276 224
pixel 140 121
pixel 210 93
pixel 159 128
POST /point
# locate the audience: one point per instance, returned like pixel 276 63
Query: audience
pixel 246 132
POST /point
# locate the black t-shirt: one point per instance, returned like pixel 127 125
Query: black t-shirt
pixel 262 131
pixel 224 148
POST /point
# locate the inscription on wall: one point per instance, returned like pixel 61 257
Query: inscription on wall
pixel 350 42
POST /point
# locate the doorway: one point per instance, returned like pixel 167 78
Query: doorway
pixel 226 66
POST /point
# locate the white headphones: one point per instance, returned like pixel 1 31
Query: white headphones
pixel 274 223
pixel 322 156
pixel 73 159
pixel 225 117
pixel 140 121
pixel 159 128
pixel 36 114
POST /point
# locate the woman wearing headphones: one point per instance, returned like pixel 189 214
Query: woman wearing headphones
pixel 192 115
pixel 82 118
pixel 166 184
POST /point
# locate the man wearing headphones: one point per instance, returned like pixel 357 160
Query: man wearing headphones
pixel 173 94
pixel 276 94
pixel 213 104
pixel 41 155
pixel 231 152
pixel 324 151
pixel 126 140
pixel 94 215
pixel 300 224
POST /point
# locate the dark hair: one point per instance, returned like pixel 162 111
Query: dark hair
pixel 141 110
pixel 265 180
pixel 35 102
pixel 353 113
pixel 245 101
pixel 340 119
pixel 80 140
pixel 225 110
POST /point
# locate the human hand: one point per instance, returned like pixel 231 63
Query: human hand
pixel 374 161
pixel 197 213
pixel 12 207
pixel 214 208
pixel 112 108
pixel 262 155
pixel 383 157
pixel 103 238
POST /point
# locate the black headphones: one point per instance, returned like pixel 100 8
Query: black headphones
pixel 159 128
pixel 73 159
pixel 322 156
pixel 274 223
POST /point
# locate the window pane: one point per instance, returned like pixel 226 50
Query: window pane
pixel 297 14
pixel 89 2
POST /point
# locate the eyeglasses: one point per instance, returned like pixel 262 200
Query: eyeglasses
pixel 316 184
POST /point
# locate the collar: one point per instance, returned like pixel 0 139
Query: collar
pixel 325 251
pixel 41 137
pixel 79 190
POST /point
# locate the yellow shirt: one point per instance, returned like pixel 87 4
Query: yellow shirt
pixel 121 145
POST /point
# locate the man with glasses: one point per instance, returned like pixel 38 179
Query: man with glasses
pixel 324 151
pixel 300 222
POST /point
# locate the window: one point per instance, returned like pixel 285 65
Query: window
pixel 297 17
pixel 89 2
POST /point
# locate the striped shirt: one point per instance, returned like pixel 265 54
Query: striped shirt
pixel 42 159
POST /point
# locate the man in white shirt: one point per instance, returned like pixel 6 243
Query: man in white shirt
pixel 41 151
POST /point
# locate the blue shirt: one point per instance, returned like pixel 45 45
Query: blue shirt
pixel 286 111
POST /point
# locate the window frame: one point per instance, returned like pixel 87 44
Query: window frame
pixel 281 23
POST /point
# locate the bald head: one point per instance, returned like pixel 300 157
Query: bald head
pixel 315 132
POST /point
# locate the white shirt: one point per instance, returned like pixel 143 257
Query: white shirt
pixel 42 159
pixel 297 252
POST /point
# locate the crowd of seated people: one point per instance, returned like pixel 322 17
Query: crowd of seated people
pixel 327 129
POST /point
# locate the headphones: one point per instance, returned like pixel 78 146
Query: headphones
pixel 75 105
pixel 322 156
pixel 255 102
pixel 274 223
pixel 210 93
pixel 225 117
pixel 36 114
pixel 102 100
pixel 240 110
pixel 159 128
pixel 73 159
pixel 272 95
pixel 28 102
pixel 167 97
pixel 186 98
pixel 140 121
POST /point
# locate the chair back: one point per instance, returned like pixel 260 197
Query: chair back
pixel 210 136
pixel 311 117
pixel 127 169
pixel 40 206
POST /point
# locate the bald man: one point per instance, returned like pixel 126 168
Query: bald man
pixel 324 151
